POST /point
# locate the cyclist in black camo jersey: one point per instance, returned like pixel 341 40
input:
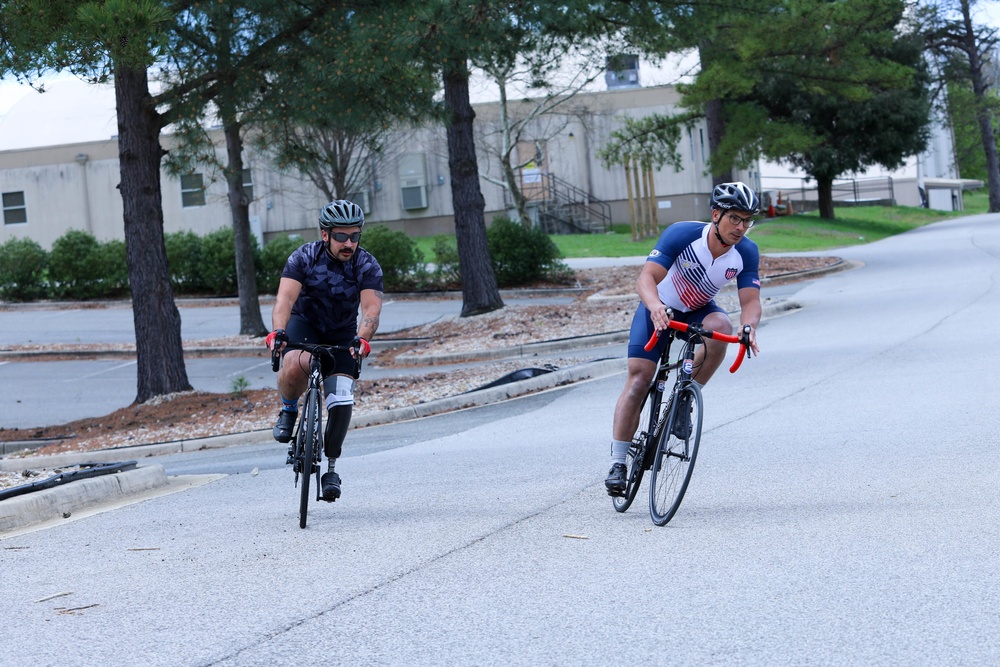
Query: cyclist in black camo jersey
pixel 322 287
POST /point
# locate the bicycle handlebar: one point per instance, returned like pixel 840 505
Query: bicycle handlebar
pixel 743 339
pixel 311 348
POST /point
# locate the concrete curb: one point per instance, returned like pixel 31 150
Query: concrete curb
pixel 60 502
pixel 584 371
pixel 578 373
pixel 561 345
pixel 525 350
pixel 189 352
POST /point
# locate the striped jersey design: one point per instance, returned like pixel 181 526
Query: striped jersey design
pixel 691 281
pixel 694 277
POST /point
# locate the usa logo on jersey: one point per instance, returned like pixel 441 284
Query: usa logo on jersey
pixel 730 274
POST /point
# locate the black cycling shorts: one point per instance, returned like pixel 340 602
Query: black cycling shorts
pixel 300 331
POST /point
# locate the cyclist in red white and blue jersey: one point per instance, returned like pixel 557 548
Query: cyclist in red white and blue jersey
pixel 688 266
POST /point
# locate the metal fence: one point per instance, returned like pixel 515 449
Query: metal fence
pixel 803 194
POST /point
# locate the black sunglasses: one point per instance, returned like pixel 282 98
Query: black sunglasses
pixel 341 237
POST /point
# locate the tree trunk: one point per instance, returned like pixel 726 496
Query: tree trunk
pixel 507 148
pixel 640 209
pixel 516 196
pixel 654 219
pixel 716 130
pixel 159 352
pixel 824 192
pixel 631 199
pixel 479 283
pixel 251 322
pixel 983 113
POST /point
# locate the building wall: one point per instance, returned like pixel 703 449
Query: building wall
pixel 74 186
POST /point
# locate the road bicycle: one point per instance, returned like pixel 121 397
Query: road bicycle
pixel 664 443
pixel 305 454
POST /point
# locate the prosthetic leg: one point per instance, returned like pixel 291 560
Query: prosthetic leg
pixel 339 404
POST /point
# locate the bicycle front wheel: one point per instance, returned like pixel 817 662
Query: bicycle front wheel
pixel 674 460
pixel 637 460
pixel 309 432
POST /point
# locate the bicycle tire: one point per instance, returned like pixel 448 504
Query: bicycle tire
pixel 674 460
pixel 307 451
pixel 635 465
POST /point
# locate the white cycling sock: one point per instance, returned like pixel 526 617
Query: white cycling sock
pixel 619 448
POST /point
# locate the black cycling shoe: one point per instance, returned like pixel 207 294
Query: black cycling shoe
pixel 331 486
pixel 682 421
pixel 615 481
pixel 283 427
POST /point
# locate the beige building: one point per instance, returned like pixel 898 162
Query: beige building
pixel 52 187
pixel 59 171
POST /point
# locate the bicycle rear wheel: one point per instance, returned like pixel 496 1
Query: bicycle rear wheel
pixel 674 460
pixel 637 459
pixel 307 451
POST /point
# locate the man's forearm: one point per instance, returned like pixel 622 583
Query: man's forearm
pixel 371 309
pixel 280 314
pixel 750 314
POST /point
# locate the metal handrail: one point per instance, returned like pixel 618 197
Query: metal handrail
pixel 568 195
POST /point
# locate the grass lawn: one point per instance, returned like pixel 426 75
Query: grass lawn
pixel 797 233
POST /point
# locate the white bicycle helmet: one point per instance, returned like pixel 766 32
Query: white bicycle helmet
pixel 735 196
pixel 341 213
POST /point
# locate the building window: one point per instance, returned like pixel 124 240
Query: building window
pixel 14 210
pixel 622 71
pixel 192 190
pixel 248 184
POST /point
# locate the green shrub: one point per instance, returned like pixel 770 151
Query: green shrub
pixel 272 261
pixel 446 267
pixel 522 256
pixel 114 283
pixel 75 268
pixel 218 261
pixel 184 262
pixel 401 261
pixel 23 266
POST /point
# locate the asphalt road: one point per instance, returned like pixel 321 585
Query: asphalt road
pixel 843 512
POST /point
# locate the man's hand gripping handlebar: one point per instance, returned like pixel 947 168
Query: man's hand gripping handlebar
pixel 743 339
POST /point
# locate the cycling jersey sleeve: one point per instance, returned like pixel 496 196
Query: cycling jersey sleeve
pixel 750 275
pixel 673 241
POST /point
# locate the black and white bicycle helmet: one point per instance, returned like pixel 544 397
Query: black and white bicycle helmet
pixel 735 196
pixel 341 213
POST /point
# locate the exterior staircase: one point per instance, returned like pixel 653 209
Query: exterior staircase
pixel 559 207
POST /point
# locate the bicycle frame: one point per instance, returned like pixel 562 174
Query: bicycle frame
pixel 305 454
pixel 645 446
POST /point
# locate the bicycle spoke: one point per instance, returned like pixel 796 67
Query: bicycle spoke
pixel 308 451
pixel 674 459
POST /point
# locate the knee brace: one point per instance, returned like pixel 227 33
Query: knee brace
pixel 339 404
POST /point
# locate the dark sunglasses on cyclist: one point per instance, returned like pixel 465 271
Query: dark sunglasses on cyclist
pixel 341 237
